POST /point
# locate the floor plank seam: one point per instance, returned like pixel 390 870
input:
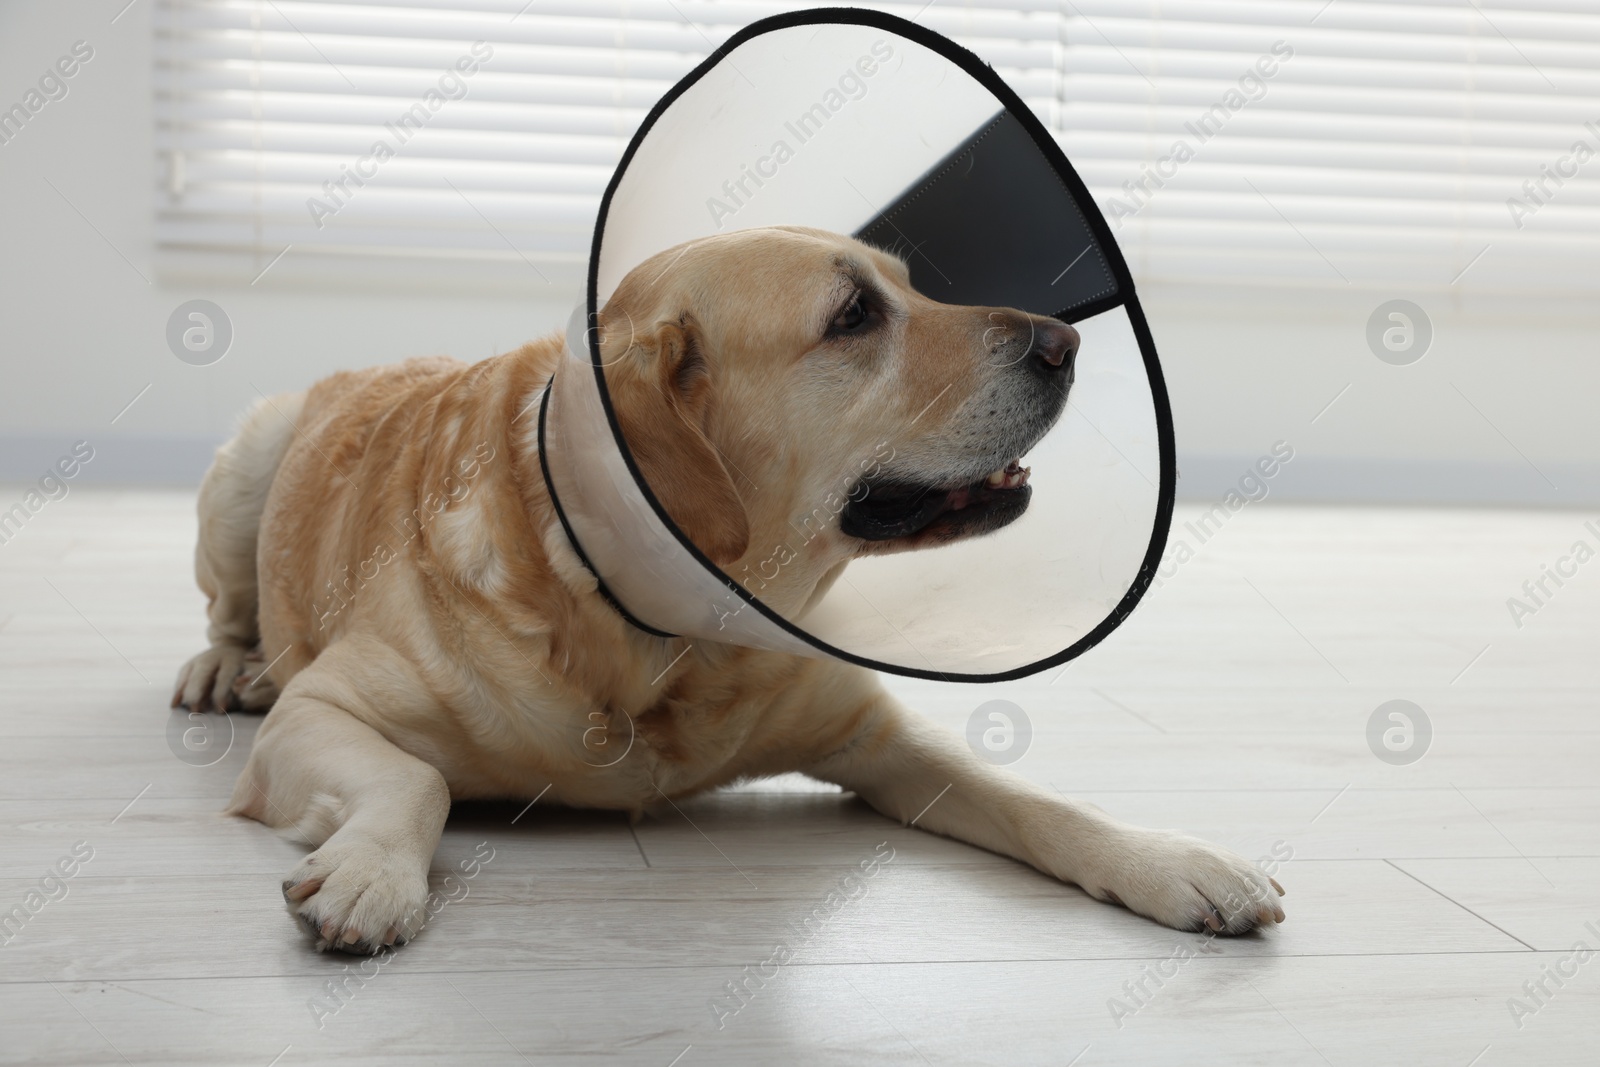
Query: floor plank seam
pixel 1214 960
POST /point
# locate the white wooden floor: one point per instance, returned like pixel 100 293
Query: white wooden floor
pixel 1234 705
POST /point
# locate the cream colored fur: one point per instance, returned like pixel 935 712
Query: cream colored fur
pixel 385 543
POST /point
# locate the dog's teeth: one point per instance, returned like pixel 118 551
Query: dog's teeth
pixel 1012 476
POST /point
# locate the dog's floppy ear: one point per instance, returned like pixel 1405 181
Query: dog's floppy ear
pixel 661 390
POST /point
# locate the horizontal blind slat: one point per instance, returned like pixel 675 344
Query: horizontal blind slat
pixel 1395 137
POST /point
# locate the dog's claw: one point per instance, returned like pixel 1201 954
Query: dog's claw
pixel 295 893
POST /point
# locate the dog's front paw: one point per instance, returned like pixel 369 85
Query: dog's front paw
pixel 253 688
pixel 225 678
pixel 1185 883
pixel 206 682
pixel 357 896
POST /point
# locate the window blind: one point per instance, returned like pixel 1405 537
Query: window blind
pixel 1425 144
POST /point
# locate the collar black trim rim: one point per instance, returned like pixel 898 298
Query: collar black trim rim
pixel 572 538
pixel 980 72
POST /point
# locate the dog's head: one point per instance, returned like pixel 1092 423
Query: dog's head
pixel 794 403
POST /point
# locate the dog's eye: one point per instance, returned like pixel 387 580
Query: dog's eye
pixel 855 317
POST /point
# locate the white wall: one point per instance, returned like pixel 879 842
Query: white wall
pixel 82 333
pixel 1501 407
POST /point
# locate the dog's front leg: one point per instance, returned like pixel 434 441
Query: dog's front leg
pixel 911 770
pixel 375 811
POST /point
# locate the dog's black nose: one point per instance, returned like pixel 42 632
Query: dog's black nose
pixel 1054 344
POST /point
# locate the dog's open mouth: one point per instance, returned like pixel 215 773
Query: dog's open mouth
pixel 897 510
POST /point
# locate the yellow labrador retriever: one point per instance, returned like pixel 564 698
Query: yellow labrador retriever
pixel 386 571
